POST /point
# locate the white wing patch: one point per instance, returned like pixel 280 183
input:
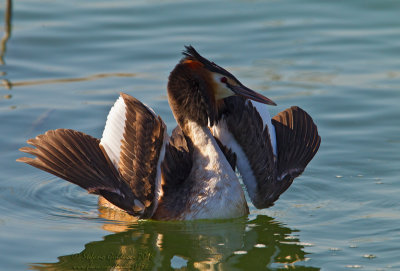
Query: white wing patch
pixel 266 117
pixel 114 131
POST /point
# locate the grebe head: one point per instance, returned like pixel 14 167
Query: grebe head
pixel 197 87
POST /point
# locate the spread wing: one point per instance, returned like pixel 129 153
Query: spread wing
pixel 298 141
pixel 123 167
pixel 134 138
pixel 77 157
pixel 267 169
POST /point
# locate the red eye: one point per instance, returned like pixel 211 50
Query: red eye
pixel 224 80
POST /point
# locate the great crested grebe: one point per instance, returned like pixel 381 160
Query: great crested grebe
pixel 222 125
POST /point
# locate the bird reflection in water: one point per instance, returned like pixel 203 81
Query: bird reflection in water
pixel 235 244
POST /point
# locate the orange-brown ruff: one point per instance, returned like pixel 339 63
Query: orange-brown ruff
pixel 222 125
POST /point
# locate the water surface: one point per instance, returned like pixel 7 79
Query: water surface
pixel 63 64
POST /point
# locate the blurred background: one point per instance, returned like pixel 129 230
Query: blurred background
pixel 63 64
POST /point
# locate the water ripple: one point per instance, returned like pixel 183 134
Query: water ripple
pixel 48 198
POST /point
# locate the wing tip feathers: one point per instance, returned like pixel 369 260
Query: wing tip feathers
pixel 299 142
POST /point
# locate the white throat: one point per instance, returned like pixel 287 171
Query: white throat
pixel 217 190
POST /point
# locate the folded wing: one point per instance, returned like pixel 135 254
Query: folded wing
pixel 176 168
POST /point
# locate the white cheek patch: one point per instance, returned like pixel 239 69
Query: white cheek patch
pixel 222 91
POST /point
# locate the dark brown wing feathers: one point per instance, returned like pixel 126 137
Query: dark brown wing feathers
pixel 176 169
pixel 297 143
pixel 82 160
pixel 140 151
pixel 246 126
pixel 178 159
pixel 229 154
pixel 297 139
pixel 77 158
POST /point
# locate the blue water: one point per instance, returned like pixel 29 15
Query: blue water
pixel 64 63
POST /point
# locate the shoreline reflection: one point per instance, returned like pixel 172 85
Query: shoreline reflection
pixel 7 84
pixel 3 44
pixel 7 30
